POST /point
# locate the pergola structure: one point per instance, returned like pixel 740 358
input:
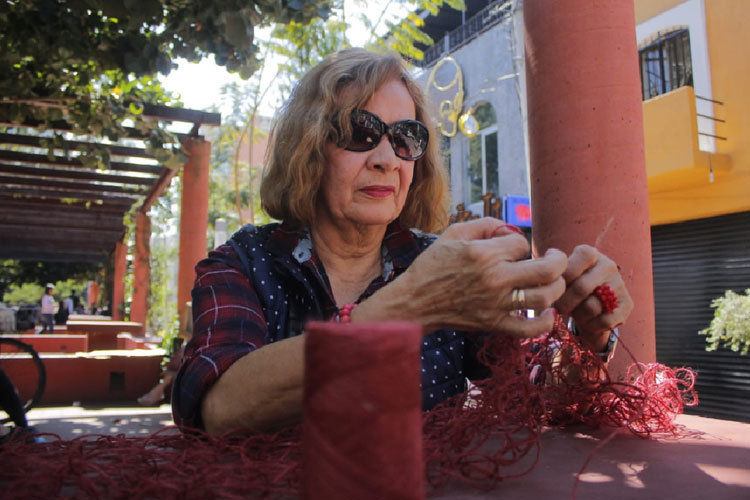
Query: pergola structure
pixel 53 207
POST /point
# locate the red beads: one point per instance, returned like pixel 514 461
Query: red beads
pixel 345 313
pixel 608 298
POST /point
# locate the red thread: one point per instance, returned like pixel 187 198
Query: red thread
pixel 607 297
pixel 362 415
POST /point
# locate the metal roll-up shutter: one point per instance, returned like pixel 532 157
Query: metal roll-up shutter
pixel 695 262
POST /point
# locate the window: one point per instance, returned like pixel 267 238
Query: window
pixel 665 63
pixel 483 176
pixel 445 152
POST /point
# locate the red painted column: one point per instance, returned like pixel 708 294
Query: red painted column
pixel 93 295
pixel 193 215
pixel 588 169
pixel 119 264
pixel 141 268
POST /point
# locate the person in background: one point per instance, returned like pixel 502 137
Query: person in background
pixel 48 309
pixel 61 317
pixel 75 301
pixel 162 390
pixel 70 304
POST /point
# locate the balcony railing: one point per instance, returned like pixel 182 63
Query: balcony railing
pixel 709 117
pixel 478 23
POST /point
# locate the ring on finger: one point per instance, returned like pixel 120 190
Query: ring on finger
pixel 518 299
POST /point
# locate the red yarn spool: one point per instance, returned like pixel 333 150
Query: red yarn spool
pixel 362 418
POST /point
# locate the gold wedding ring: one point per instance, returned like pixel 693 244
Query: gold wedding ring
pixel 518 299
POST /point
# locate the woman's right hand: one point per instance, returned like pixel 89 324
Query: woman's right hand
pixel 466 278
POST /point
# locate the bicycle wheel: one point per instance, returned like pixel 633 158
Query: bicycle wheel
pixel 28 378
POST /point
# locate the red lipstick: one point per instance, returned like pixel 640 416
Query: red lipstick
pixel 378 191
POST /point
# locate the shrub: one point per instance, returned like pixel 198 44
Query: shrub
pixel 731 324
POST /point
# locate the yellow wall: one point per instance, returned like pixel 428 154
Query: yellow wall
pixel 646 9
pixel 729 56
pixel 671 132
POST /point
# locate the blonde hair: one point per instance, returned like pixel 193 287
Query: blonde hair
pixel 327 94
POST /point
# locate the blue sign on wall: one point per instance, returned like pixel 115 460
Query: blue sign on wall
pixel 518 211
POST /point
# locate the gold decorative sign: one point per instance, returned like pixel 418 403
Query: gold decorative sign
pixel 450 95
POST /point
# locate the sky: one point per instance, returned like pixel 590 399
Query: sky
pixel 198 84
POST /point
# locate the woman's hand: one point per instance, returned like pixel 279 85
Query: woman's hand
pixel 588 269
pixel 465 281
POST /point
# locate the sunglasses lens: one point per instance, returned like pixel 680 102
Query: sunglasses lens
pixel 366 132
pixel 409 139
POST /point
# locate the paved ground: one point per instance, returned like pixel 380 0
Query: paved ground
pixel 73 421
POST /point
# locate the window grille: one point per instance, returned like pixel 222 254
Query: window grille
pixel 666 63
pixel 478 23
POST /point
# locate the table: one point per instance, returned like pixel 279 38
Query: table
pixel 712 465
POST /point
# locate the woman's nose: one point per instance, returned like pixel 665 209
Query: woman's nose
pixel 383 155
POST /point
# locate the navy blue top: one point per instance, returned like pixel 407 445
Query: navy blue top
pixel 266 283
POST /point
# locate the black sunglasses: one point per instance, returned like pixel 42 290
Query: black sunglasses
pixel 408 138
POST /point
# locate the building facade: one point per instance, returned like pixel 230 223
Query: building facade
pixel 694 57
pixel 474 77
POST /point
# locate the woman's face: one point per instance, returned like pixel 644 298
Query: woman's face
pixel 369 187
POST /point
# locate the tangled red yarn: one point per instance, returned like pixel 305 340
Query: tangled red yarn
pixel 489 433
pixel 549 381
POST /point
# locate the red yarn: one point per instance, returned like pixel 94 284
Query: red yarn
pixel 608 298
pixel 508 410
pixel 480 437
pixel 362 413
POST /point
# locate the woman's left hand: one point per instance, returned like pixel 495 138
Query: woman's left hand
pixel 588 269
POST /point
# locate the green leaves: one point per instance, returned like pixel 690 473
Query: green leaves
pixel 135 108
pixel 238 30
pixel 406 35
pixel 730 326
pixel 92 62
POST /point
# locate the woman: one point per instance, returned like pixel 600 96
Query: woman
pixel 352 169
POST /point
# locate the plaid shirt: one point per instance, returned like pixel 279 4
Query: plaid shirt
pixel 263 285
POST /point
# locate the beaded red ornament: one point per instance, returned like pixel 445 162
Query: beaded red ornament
pixel 345 313
pixel 608 298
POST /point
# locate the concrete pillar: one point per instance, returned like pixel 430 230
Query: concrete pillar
pixel 141 268
pixel 119 266
pixel 193 216
pixel 587 163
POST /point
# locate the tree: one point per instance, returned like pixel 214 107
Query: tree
pixel 246 101
pixel 405 35
pixel 40 273
pixel 730 326
pixel 93 62
pixel 301 46
pixel 297 46
pixel 30 293
pixel 162 307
